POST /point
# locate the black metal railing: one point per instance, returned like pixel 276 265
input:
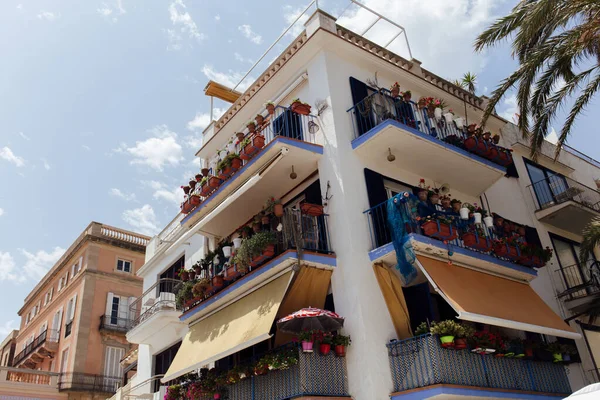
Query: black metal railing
pixel 115 324
pixel 68 327
pixel 89 382
pixel 421 361
pixel 486 238
pixel 160 296
pixel 380 106
pixel 49 335
pixel 580 280
pixel 558 189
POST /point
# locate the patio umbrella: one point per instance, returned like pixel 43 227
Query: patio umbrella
pixel 587 393
pixel 310 318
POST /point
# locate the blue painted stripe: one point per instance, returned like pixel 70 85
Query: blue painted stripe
pixel 315 148
pixel 479 393
pixel 359 141
pixel 388 248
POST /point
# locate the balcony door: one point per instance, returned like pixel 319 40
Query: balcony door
pixel 113 371
pixel 547 185
pixel 117 310
pixel 56 321
pixel 574 273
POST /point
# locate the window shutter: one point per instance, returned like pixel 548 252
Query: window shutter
pixel 72 316
pixel 51 293
pixel 130 313
pixel 109 301
pixel 80 264
pixel 359 92
pixel 73 269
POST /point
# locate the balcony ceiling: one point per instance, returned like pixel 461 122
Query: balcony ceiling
pixel 426 157
pixel 275 181
pixel 569 216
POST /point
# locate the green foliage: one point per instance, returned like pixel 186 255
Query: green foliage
pixel 226 162
pixel 341 340
pixel 185 293
pixel 591 239
pixel 422 329
pixel 446 328
pixel 252 247
pixel 306 336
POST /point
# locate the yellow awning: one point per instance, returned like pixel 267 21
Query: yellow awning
pixel 488 299
pixel 391 288
pixel 236 327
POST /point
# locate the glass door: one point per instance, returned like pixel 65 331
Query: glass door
pixel 574 273
pixel 547 185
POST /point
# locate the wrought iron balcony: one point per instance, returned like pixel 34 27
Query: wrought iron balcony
pixel 114 324
pixel 77 381
pixel 159 297
pixel 421 361
pixel 49 336
pixel 565 203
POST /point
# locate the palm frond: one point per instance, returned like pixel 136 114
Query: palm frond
pixel 591 239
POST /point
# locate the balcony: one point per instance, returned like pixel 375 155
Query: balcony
pixel 420 362
pixel 435 148
pixel 43 346
pixel 299 237
pixel 17 381
pixel 471 244
pixel 75 381
pixel 155 314
pixel 582 288
pixel 281 153
pixel 109 323
pixel 564 203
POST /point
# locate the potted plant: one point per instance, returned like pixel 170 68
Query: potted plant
pixel 262 366
pixel 174 392
pixel 325 340
pixel 475 238
pixel 515 349
pixel 195 200
pixel 556 349
pixel 185 293
pixel 198 268
pixel 270 106
pixel 507 249
pixel 407 95
pixel 264 218
pixel 259 119
pixel 274 206
pixel 300 108
pixel 231 272
pixel 251 146
pixel 251 125
pixel 256 224
pixel 446 330
pixel 465 211
pixel 254 250
pixel 439 226
pixel 340 342
pixel 307 340
pixel 314 210
pixel 218 282
pixel 462 334
pixel 449 116
pixel 183 274
pixel 192 274
pixel 568 350
pixel 484 342
pixel 186 189
pixel 286 359
pixel 205 189
pixel 237 242
pixel 200 288
pixel 229 165
pixel 192 184
pixel 422 329
pixel 395 89
pixel 529 347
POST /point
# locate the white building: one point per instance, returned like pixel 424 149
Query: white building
pixel 358 148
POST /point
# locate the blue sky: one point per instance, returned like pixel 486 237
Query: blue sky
pixel 102 104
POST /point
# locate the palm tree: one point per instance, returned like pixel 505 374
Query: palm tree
pixel 557 44
pixel 469 81
pixel 459 83
pixel 591 239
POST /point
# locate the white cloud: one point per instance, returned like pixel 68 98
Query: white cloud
pixel 36 265
pixel 183 24
pixel 48 15
pixel 46 165
pixel 511 110
pixel 105 11
pixel 174 196
pixel 1 212
pixel 241 58
pixel 229 79
pixel 7 154
pixel 24 136
pixel 217 17
pixel 290 14
pixel 86 147
pixel 19 6
pixel 158 151
pixel 118 193
pixel 7 268
pixel 435 33
pixel 250 34
pixel 142 220
pixel 112 11
pixel 202 120
pixel 7 328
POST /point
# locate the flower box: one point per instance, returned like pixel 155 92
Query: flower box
pixel 300 108
pixel 477 145
pixel 232 168
pixel 255 145
pixel 195 200
pixel 531 261
pixel 313 210
pixel 192 301
pixel 507 251
pixel 477 242
pixel 217 282
pixel 210 186
pixel 267 253
pixel 439 230
pixel 186 207
pixel 231 273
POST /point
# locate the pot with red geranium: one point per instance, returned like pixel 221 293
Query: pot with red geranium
pixel 262 366
pixel 205 171
pixel 325 340
pixel 395 89
pixel 407 95
pixel 270 106
pixel 307 340
pixel 251 125
pixel 484 342
pixel 186 189
pixel 229 165
pixel 198 178
pixel 446 331
pixel 507 248
pixel 183 274
pixel 340 342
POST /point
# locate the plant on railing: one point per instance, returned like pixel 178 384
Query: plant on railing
pixel 273 206
pixel 422 329
pixel 174 392
pixel 395 89
pixel 283 359
pixel 446 330
pixel 270 106
pixel 406 95
pixel 183 274
pixel 325 340
pixel 228 165
pixel 432 104
pixel 299 107
pixel 438 226
pixel 307 339
pixel 252 248
pixel 486 342
pixel 185 294
pixel 340 342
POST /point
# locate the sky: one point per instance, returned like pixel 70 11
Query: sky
pixel 102 104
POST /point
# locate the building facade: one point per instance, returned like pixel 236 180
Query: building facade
pixel 330 198
pixel 7 349
pixel 73 322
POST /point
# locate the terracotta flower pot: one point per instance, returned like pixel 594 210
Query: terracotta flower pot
pixel 324 349
pixel 460 343
pixel 301 108
pixel 229 170
pixel 251 127
pixel 271 108
pixel 186 207
pixel 217 282
pixel 259 119
pixel 198 177
pixel 195 200
pixel 185 276
pixel 192 184
pixel 340 350
pixel 395 91
pixel 507 251
pixel 265 220
pixel 439 230
pixel 258 142
pixel 313 210
pixel 205 171
pixel 240 136
pixel 186 189
pixel 278 210
pixel 477 242
pixel 407 97
pixel 192 275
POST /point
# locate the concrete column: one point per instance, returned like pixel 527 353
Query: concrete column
pixel 320 20
pixel 357 295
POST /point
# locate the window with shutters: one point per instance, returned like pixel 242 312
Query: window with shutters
pixel 61 283
pixel 64 361
pixel 70 316
pixel 112 362
pixel 123 265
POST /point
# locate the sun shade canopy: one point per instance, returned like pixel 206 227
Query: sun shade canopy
pixel 236 327
pixel 488 299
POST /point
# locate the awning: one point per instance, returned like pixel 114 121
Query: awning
pixel 236 327
pixel 488 299
pixel 592 337
pixel 391 288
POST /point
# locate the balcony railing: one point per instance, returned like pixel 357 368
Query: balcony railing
pixel 381 234
pixel 159 297
pixel 284 123
pixel 558 189
pixel 381 106
pixel 49 335
pixel 20 375
pixel 580 280
pixel 421 361
pixel 89 382
pixel 114 324
pixel 299 232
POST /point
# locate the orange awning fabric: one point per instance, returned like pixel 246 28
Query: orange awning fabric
pixel 480 297
pixel 391 288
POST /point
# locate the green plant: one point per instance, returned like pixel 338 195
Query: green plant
pixel 252 247
pixel 185 293
pixel 323 337
pixel 341 340
pixel 226 162
pixel 422 329
pixel 174 392
pixel 269 103
pixel 554 347
pixel 250 123
pixel 306 336
pixel 245 142
pixel 270 204
pixel 200 287
pixel 445 328
pixel 487 340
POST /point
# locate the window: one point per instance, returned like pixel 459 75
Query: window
pixel 123 265
pixel 64 361
pixel 44 327
pixel 547 185
pixel 71 306
pixel 394 188
pixel 162 362
pixel 61 284
pixel 48 296
pixel 575 274
pixel 56 323
pixel 117 309
pixel 76 267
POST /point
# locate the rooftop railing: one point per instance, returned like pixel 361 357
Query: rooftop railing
pixel 49 335
pixel 421 361
pixel 159 297
pixel 580 280
pixel 126 236
pixel 558 189
pixel 380 106
pixel 89 382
